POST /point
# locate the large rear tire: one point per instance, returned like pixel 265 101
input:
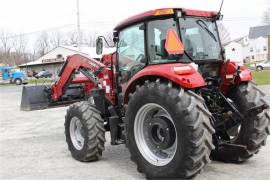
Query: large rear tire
pixel 85 133
pixel 253 131
pixel 169 134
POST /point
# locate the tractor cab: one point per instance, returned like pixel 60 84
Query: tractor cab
pixel 173 39
pixel 169 36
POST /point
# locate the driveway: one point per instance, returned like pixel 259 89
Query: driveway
pixel 32 146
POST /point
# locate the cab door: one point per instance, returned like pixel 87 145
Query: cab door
pixel 131 53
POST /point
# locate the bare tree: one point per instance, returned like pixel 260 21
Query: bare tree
pixel 5 47
pixel 266 16
pixel 43 44
pixel 56 39
pixel 109 38
pixel 19 54
pixel 90 39
pixel 71 38
pixel 224 33
pixel 19 44
pixel 5 41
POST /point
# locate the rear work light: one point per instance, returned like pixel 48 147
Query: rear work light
pixel 183 70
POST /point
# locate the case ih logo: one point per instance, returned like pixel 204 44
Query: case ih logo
pixel 90 62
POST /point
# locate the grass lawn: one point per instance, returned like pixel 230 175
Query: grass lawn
pixel 261 77
pixel 39 81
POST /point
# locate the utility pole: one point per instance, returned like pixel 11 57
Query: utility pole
pixel 78 26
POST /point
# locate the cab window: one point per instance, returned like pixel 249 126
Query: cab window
pixel 131 51
pixel 157 31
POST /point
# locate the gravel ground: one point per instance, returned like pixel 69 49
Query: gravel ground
pixel 32 146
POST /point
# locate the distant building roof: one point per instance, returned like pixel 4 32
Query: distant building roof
pixel 50 58
pixel 259 31
pixel 237 40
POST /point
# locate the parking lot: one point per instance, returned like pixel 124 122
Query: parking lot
pixel 32 146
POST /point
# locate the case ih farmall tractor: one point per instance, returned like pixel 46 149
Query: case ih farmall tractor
pixel 168 94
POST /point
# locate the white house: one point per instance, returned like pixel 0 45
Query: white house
pixel 258 48
pixel 234 52
pixel 251 48
pixel 54 59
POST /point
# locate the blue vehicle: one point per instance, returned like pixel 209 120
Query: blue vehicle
pixel 11 75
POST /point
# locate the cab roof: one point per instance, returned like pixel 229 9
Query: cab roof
pixel 162 12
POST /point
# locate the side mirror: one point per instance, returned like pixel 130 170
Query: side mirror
pixel 115 37
pixel 99 46
pixel 115 40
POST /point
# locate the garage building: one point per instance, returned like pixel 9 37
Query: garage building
pixel 54 59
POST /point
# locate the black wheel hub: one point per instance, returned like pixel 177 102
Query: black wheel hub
pixel 161 132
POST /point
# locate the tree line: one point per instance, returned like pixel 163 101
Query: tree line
pixel 16 49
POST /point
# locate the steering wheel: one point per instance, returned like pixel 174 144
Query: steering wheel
pixel 135 68
pixel 140 57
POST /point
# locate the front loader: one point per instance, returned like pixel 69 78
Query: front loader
pixel 170 96
pixel 76 79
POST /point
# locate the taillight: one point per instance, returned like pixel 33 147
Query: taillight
pixel 183 70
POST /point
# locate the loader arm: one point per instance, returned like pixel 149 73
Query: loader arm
pixel 89 67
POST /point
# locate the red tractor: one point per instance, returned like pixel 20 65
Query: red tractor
pixel 167 93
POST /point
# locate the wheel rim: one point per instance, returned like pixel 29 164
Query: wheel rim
pixel 155 134
pixel 17 82
pixel 76 133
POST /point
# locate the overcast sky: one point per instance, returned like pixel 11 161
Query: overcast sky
pixel 24 16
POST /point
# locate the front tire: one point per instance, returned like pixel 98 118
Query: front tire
pixel 85 133
pixel 181 152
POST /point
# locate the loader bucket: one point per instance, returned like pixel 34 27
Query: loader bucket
pixel 34 98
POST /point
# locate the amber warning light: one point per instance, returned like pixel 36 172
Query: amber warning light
pixel 160 12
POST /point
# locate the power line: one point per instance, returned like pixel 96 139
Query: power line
pixel 99 23
pixel 39 31
pixel 107 23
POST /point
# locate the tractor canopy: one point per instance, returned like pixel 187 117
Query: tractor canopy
pixel 163 43
pixel 177 35
pixel 153 14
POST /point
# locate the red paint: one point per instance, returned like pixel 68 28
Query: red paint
pixel 189 81
pixel 74 63
pixel 244 76
pixel 153 13
pixel 78 80
pixel 109 59
pixel 190 12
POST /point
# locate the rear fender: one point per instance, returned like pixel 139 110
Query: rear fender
pixel 244 76
pixel 189 80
